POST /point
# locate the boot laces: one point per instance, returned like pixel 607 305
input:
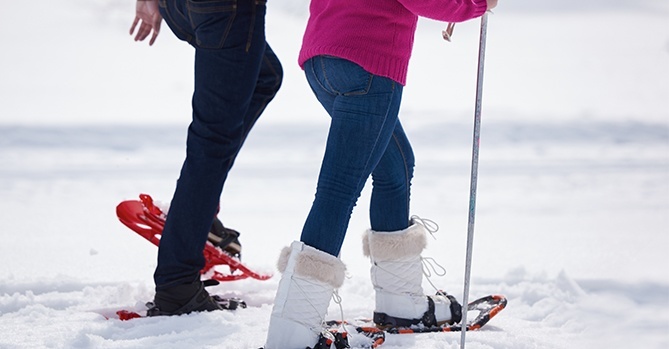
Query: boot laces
pixel 319 329
pixel 430 265
pixel 431 226
pixel 337 299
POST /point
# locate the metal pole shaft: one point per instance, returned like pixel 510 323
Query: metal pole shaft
pixel 474 175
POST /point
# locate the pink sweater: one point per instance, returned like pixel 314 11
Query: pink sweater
pixel 376 34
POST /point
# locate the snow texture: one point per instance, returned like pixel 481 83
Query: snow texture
pixel 573 193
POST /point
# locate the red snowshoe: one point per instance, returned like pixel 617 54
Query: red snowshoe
pixel 222 249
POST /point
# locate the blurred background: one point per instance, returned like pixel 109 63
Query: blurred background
pixel 575 135
pixel 73 61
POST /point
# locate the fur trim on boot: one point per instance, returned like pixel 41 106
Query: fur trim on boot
pixel 312 263
pixel 394 245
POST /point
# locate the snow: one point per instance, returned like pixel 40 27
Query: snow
pixel 572 209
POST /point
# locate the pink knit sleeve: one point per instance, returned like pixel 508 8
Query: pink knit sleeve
pixel 446 10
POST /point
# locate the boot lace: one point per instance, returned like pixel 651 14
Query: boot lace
pixel 431 226
pixel 322 319
pixel 337 299
pixel 430 265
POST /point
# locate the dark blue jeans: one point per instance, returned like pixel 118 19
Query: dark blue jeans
pixel 365 138
pixel 236 76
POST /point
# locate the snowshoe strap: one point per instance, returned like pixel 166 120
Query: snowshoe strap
pixel 229 236
pixel 327 338
pixel 225 238
pixel 229 303
pixel 341 336
pixel 456 308
pixel 429 319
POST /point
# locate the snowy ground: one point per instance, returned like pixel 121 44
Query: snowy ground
pixel 572 227
pixel 573 207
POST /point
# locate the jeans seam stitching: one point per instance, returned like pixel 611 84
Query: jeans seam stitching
pixel 406 170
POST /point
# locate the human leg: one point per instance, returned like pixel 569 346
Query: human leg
pixel 391 182
pixel 364 110
pixel 267 85
pixel 229 45
pixel 394 245
pixel 366 137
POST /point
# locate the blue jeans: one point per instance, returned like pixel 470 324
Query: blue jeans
pixel 365 138
pixel 236 76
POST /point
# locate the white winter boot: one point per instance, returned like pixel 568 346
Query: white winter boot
pixel 306 287
pixel 397 275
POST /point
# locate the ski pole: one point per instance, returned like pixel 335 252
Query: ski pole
pixel 474 173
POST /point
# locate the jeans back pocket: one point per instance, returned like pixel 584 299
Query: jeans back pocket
pixel 211 21
pixel 173 13
pixel 341 76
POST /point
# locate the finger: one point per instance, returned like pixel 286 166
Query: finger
pixel 450 28
pixel 156 24
pixel 153 38
pixel 141 32
pixel 146 31
pixel 134 24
